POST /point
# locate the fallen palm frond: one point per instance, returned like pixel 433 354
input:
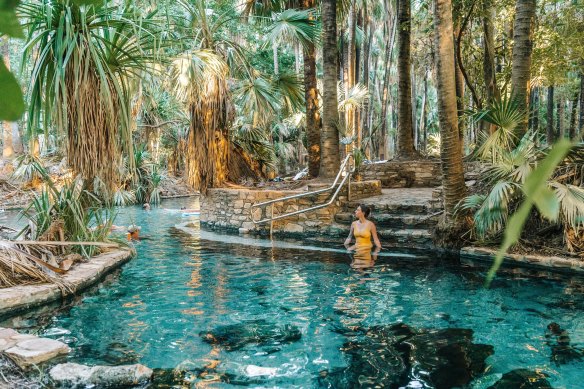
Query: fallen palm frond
pixel 23 264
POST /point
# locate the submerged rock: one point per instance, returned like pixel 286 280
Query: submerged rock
pixel 398 355
pixel 73 375
pixel 236 336
pixel 522 379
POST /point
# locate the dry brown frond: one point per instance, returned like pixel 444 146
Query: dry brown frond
pixel 92 123
pixel 21 265
pixel 208 141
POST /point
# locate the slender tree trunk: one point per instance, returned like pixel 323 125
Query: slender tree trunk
pixel 422 125
pixel 550 116
pixel 489 51
pixel 368 29
pixel 351 65
pixel 581 120
pixel 405 140
pixel 489 72
pixel 414 108
pixel 385 97
pixel 572 132
pixel 522 48
pixel 450 149
pixel 311 101
pixel 459 81
pixel 535 111
pixel 560 130
pixel 330 136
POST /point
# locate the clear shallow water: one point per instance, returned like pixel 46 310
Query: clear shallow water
pixel 163 307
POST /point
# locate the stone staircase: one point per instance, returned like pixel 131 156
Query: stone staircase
pixel 404 217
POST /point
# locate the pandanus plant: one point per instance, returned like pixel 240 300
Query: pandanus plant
pixel 84 58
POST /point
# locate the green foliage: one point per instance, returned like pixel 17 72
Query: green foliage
pixel 538 193
pixel 68 213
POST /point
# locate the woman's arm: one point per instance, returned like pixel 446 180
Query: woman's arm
pixel 375 237
pixel 348 240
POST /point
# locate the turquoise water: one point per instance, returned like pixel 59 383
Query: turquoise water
pixel 251 312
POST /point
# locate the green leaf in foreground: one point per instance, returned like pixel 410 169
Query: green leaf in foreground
pixel 11 101
pixel 536 192
pixel 9 24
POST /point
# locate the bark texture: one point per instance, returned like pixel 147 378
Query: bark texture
pixel 405 139
pixel 450 149
pixel 329 164
pixel 551 137
pixel 311 101
pixel 522 47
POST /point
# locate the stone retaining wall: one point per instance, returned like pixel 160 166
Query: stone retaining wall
pixel 414 174
pixel 80 277
pixel 231 209
pixel 404 174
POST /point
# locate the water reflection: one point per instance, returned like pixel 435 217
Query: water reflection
pixel 362 257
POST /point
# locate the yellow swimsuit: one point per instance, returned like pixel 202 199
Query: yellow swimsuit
pixel 362 235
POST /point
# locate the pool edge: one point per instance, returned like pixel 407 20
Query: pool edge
pixel 18 298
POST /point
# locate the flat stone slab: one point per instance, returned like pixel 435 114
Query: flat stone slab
pixel 80 277
pixel 544 262
pixel 73 375
pixel 28 350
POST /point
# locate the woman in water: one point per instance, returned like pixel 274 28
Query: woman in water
pixel 363 230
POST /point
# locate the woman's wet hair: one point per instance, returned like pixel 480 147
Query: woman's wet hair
pixel 365 209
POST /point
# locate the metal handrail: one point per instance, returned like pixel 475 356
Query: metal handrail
pixel 272 218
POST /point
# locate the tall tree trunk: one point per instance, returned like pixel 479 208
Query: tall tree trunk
pixel 535 111
pixel 459 82
pixel 550 116
pixel 368 30
pixel 489 72
pixel 422 125
pixel 390 28
pixel 414 108
pixel 405 139
pixel 572 132
pixel 581 120
pixel 450 149
pixel 560 130
pixel 329 165
pixel 522 48
pixel 351 65
pixel 489 51
pixel 311 101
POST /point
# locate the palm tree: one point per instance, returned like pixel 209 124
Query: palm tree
pixel 311 101
pixel 405 138
pixel 201 80
pixel 301 27
pixel 88 55
pixel 522 48
pixel 450 150
pixel 329 164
